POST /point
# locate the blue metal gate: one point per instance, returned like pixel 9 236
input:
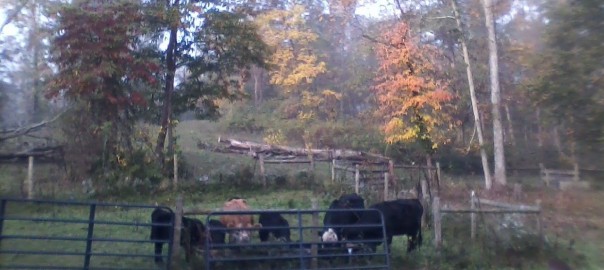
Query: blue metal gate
pixel 51 234
pixel 307 252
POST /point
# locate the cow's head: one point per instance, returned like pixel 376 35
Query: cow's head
pixel 329 236
pixel 241 233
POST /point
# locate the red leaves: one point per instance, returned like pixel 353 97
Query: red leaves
pixel 95 53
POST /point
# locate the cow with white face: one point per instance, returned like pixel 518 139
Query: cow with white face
pixel 242 223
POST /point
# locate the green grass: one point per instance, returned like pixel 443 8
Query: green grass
pixel 235 174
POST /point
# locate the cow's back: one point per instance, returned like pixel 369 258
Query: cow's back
pixel 160 232
pixel 234 220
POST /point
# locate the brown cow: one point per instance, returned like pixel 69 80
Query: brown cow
pixel 242 222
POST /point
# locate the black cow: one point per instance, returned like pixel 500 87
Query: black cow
pixel 217 231
pixel 335 220
pixel 271 219
pixel 401 217
pixel 192 233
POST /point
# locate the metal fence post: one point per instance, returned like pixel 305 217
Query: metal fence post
pixel 2 209
pixel 89 236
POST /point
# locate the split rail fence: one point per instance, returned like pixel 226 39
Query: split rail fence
pixel 498 208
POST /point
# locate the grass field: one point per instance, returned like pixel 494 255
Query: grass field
pixel 572 220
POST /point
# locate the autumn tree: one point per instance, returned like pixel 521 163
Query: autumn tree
pixel 411 91
pixel 295 66
pixel 101 73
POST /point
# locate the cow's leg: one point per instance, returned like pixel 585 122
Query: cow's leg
pixel 158 248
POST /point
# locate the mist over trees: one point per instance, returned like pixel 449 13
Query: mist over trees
pixel 310 73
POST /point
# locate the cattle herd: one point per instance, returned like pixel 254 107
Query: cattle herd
pixel 347 225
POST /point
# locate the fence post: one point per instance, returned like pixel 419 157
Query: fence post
pixel 437 222
pixel 385 186
pixel 539 224
pixel 91 216
pixel 576 172
pixel 262 171
pixel 177 224
pixel 392 176
pixel 175 181
pixel 30 178
pixel 473 215
pixel 438 177
pixel 333 170
pixel 315 223
pixel 357 179
pixel 2 210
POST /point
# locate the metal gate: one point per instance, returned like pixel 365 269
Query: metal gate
pixel 304 251
pixel 51 234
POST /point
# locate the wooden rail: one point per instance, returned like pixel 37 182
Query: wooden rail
pixel 475 208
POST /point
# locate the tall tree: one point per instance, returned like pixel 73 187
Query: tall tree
pixel 216 45
pixel 477 126
pixel 569 78
pixel 411 90
pixel 499 151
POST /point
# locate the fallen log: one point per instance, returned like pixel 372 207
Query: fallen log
pixel 255 149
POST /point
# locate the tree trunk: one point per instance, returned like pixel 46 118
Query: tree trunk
pixel 539 130
pixel 168 90
pixel 510 126
pixel 466 56
pixel 258 87
pixel 500 176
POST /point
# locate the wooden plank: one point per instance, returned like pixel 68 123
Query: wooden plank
pixel 507 205
pixel 489 211
pixel 286 161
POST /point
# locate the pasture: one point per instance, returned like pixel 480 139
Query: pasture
pixel 573 225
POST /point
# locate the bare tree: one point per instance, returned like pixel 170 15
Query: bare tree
pixel 466 57
pixel 500 175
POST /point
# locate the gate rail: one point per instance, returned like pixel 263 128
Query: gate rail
pixel 88 253
pixel 306 251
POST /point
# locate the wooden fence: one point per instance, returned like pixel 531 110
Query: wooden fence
pixel 476 208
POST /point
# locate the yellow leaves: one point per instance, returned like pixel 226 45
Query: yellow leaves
pixel 274 136
pixel 410 91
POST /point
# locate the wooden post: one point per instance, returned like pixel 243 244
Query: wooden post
pixel 262 171
pixel 517 195
pixel 312 163
pixel 333 170
pixel 438 175
pixel 385 186
pixel 539 224
pixel 437 222
pixel 177 224
pixel 357 179
pixel 175 181
pixel 576 172
pixel 392 176
pixel 473 215
pixel 315 223
pixel 30 178
pixel 544 174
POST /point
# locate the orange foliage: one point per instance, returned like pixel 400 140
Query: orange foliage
pixel 410 88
